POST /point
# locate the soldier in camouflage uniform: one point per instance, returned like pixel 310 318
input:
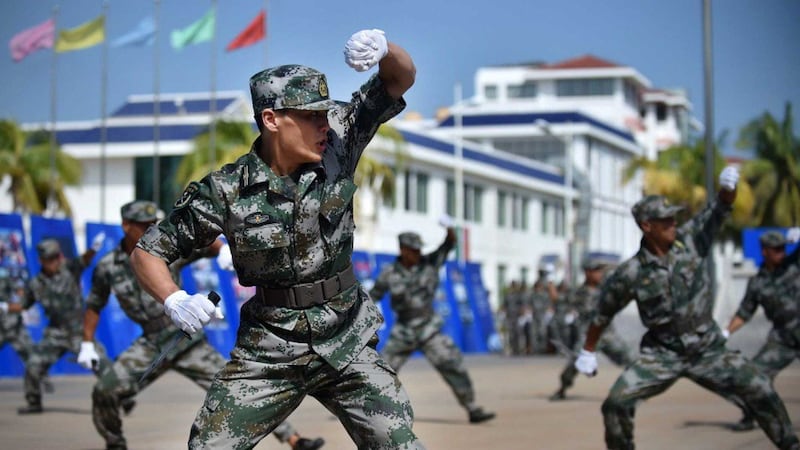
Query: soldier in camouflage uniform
pixel 542 299
pixel 668 279
pixel 412 281
pixel 286 209
pixel 12 330
pixel 576 318
pixel 57 289
pixel 776 287
pixel 196 359
pixel 512 308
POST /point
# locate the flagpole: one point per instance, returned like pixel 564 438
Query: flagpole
pixel 103 128
pixel 156 111
pixel 213 129
pixel 266 27
pixel 53 82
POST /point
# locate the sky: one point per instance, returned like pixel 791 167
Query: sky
pixel 756 48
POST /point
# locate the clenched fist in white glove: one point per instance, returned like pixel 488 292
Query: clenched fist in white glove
pixel 225 259
pixel 586 363
pixel 446 221
pixel 98 241
pixel 729 178
pixel 189 312
pixel 365 48
pixel 88 357
pixel 793 235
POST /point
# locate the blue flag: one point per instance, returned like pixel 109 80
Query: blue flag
pixel 143 34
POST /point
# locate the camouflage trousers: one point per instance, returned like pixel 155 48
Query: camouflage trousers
pixel 717 369
pixel 19 339
pixel 611 345
pixel 775 355
pixel 54 344
pixel 249 398
pixel 443 354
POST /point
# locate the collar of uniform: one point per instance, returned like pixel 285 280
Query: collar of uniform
pixel 648 258
pixel 256 171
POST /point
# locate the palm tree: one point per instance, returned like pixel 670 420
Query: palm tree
pixel 678 173
pixel 25 158
pixel 376 176
pixel 231 140
pixel 775 171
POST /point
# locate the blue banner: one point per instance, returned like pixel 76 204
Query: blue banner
pixel 14 265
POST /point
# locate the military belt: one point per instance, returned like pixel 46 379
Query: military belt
pixel 307 295
pixel 156 325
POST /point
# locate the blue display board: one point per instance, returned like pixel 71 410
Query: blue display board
pixel 461 298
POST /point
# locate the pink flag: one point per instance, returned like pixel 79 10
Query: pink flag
pixel 27 41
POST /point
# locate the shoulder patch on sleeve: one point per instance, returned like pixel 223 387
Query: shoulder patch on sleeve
pixel 188 194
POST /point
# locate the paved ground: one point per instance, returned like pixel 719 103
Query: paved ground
pixel 685 417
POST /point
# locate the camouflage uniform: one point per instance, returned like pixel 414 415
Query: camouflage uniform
pixel 62 301
pixel 539 300
pixel 12 330
pixel 513 311
pixel 682 340
pixel 417 326
pixel 778 292
pixel 285 234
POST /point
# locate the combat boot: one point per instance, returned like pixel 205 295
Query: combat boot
pixel 745 424
pixel 478 415
pixel 33 408
pixel 308 444
pixel 560 394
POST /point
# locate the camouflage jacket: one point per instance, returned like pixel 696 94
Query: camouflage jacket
pixel 413 289
pixel 671 292
pixel 583 302
pixel 113 273
pixel 60 295
pixel 284 232
pixel 10 321
pixel 778 292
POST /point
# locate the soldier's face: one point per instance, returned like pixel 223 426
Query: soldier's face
pixel 773 256
pixel 302 136
pixel 662 231
pixel 409 256
pixel 51 265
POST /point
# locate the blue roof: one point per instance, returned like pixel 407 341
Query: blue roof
pixel 531 118
pixel 142 133
pixel 486 158
pixel 169 108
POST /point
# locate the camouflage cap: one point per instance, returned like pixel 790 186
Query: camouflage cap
pixel 772 239
pixel 410 239
pixel 48 248
pixel 139 211
pixel 654 207
pixel 290 87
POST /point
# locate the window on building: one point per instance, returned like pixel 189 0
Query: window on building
pixel 552 218
pixel 450 201
pixel 523 275
pixel 661 112
pixel 525 209
pixel 631 94
pixel 502 199
pixel 540 148
pixel 169 189
pixel 473 202
pixel 524 90
pixel 490 92
pixel 585 87
pixel 416 194
pixel 519 212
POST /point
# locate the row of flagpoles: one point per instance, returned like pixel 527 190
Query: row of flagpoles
pixel 146 33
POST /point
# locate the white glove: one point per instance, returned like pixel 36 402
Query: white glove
pixel 586 363
pixel 548 315
pixel 4 307
pixel 365 48
pixel 218 314
pixel 728 178
pixel 98 241
pixel 793 235
pixel 88 356
pixel 225 259
pixel 189 312
pixel 725 333
pixel 446 221
pixel 569 318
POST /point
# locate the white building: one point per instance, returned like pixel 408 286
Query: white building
pixel 521 202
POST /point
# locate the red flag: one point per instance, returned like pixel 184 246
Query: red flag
pixel 254 32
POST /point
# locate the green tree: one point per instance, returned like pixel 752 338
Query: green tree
pixel 25 158
pixel 774 173
pixel 231 140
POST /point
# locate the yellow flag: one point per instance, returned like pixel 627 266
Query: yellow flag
pixel 83 36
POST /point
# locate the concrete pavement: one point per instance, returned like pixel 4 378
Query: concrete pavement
pixel 685 417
